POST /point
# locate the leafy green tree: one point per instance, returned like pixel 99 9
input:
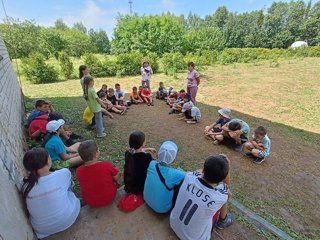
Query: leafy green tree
pixel 60 25
pixel 51 42
pixel 77 43
pixel 66 65
pixel 79 26
pixel 100 41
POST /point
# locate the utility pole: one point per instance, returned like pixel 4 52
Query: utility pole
pixel 130 3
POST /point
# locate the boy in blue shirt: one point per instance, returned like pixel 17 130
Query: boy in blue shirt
pixel 42 107
pixel 163 179
pixel 259 146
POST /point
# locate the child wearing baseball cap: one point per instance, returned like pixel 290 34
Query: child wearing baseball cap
pixel 163 178
pixel 61 155
pixel 216 127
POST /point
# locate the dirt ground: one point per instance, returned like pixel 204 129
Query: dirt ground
pixel 285 189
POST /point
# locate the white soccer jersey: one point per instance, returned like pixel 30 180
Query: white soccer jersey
pixel 196 204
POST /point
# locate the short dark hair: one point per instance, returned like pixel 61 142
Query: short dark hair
pixel 40 103
pixel 134 88
pixel 261 130
pixel 182 90
pixel 136 139
pixel 117 85
pixel 54 116
pixel 187 96
pixel 215 169
pixel 110 90
pixel 104 85
pixel 191 64
pixel 160 82
pixel 234 126
pixel 87 150
pixel 102 94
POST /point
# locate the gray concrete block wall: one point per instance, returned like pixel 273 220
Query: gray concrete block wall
pixel 13 221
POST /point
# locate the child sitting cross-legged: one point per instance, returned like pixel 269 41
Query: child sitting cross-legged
pixel 112 98
pixel 162 92
pixel 183 105
pixel 216 128
pixel 146 95
pixel 192 115
pixel 259 146
pixel 163 178
pixel 135 97
pixel 109 106
pixel 98 180
pixel 172 98
pixel 201 197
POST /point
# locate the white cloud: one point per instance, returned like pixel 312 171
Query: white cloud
pixel 168 3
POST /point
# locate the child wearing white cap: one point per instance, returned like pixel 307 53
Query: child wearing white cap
pixel 61 155
pixel 162 178
pixel 216 127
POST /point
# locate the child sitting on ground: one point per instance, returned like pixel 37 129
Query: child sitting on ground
pixel 201 197
pixel 162 92
pixel 104 89
pixel 109 106
pixel 120 95
pixel 163 178
pixel 112 98
pixel 134 96
pixel 61 156
pixel 236 131
pixel 259 146
pixel 137 160
pixel 42 107
pixel 172 98
pixel 215 128
pixel 183 105
pixel 192 115
pixel 146 95
pixel 98 180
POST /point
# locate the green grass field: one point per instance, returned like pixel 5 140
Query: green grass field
pixel 285 99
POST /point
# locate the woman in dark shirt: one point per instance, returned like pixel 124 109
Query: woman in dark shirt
pixel 137 160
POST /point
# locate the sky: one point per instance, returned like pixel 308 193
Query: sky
pixel 102 13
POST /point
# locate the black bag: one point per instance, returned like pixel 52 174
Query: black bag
pixel 175 188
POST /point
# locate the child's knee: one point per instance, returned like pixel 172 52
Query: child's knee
pixel 255 152
pixel 248 145
pixel 219 137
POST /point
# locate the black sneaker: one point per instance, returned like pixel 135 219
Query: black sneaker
pixel 249 154
pixel 259 160
pixel 224 223
pixel 75 136
pixel 239 148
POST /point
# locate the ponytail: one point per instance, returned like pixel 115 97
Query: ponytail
pixel 47 137
pixel 33 160
pixel 81 69
pixel 128 174
pixel 86 82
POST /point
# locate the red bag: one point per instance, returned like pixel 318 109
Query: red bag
pixel 130 202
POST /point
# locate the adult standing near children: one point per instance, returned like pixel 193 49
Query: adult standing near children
pixel 193 82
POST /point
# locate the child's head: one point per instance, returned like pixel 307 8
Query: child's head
pixel 191 66
pixel 161 84
pixel 145 87
pixel 88 83
pixel 110 92
pixel 102 95
pixel 134 89
pixel 260 132
pixel 54 116
pixel 55 126
pixel 187 98
pixel 167 153
pixel 42 105
pixel 145 63
pixel 137 140
pixel 117 86
pixel 104 88
pixel 88 150
pixel 215 169
pixel 234 126
pixel 140 88
pixel 182 92
pixel 225 113
pixel 83 71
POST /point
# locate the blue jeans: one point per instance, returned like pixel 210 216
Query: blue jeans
pixel 99 123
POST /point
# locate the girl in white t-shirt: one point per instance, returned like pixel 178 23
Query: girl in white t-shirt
pixel 146 72
pixel 51 204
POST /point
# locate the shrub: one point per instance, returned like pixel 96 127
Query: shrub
pixel 109 67
pixel 314 51
pixel 94 64
pixel 37 70
pixel 66 65
pixel 153 60
pixel 172 63
pixel 129 64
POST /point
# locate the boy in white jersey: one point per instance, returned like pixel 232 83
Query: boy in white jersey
pixel 200 197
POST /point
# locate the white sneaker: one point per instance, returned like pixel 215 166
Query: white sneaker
pixel 102 135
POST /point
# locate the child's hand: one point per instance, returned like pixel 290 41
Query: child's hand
pixel 152 150
pixel 111 116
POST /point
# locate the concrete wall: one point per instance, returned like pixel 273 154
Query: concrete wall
pixel 13 221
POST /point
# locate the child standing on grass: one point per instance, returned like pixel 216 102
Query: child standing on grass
pixel 193 82
pixel 146 72
pixel 146 95
pixel 94 103
pixel 83 71
pixel 61 156
pixel 134 96
pixel 202 195
pixel 137 160
pixel 163 178
pixel 259 146
pixel 112 98
pixel 98 180
pixel 215 128
pixel 51 204
pixel 162 92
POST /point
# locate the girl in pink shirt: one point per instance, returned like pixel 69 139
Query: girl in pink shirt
pixel 193 82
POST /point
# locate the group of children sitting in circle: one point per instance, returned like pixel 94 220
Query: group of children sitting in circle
pixel 197 201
